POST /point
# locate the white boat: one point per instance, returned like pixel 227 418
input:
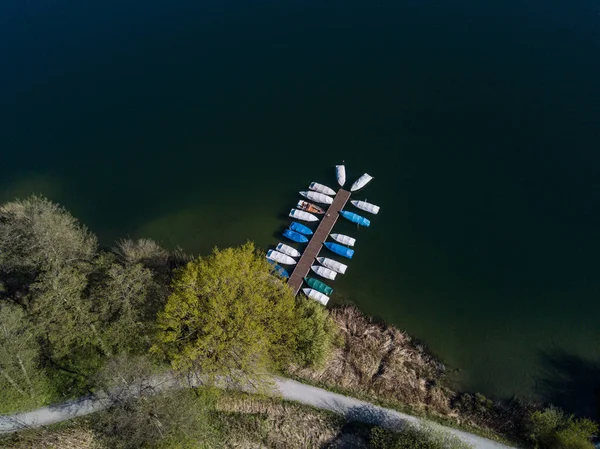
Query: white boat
pixel 340 173
pixel 332 264
pixel 361 182
pixel 321 188
pixel 301 215
pixel 368 207
pixel 280 257
pixel 288 250
pixel 343 239
pixel 318 197
pixel 317 296
pixel 324 272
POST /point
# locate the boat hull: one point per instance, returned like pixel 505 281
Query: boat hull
pixel 334 265
pixel 324 272
pixel 288 250
pixel 300 228
pixel 316 295
pixel 319 286
pixel 280 257
pixel 279 269
pixel 321 188
pixel 302 215
pixel 339 249
pixel 355 218
pixel 361 182
pixel 294 236
pixel 310 207
pixel 367 207
pixel 343 239
pixel 340 173
pixel 317 197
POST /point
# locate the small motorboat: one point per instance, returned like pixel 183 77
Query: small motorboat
pixel 321 188
pixel 333 264
pixel 343 239
pixel 280 257
pixel 288 250
pixel 324 272
pixel 301 215
pixel 295 236
pixel 317 296
pixel 361 182
pixel 319 286
pixel 309 207
pixel 367 207
pixel 298 227
pixel 340 173
pixel 355 218
pixel 279 269
pixel 318 197
pixel 339 249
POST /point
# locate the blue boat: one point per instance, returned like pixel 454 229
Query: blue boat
pixel 295 226
pixel 339 249
pixel 355 218
pixel 279 269
pixel 295 236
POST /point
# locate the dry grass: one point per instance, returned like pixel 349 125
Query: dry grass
pixel 72 437
pixel 253 422
pixel 381 360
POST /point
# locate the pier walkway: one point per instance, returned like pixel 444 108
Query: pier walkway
pixel 316 242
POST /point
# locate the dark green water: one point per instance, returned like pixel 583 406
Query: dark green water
pixel 195 123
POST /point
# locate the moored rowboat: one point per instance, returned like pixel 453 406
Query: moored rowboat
pixel 279 269
pixel 295 236
pixel 361 182
pixel 319 286
pixel 317 296
pixel 316 196
pixel 339 249
pixel 340 172
pixel 355 218
pixel 344 239
pixel 301 215
pixel 333 265
pixel 321 188
pixel 286 249
pixel 297 227
pixel 280 257
pixel 309 207
pixel 324 272
pixel 367 207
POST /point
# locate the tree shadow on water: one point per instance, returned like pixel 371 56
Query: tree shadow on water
pixel 570 382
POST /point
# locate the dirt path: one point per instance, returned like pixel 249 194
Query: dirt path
pixel 351 408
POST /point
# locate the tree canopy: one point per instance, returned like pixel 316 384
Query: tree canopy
pixel 227 313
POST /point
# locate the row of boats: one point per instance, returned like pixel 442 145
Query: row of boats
pixel 306 211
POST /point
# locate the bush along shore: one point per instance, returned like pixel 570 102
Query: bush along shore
pixel 76 318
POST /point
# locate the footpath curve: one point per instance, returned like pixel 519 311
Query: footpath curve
pixel 351 408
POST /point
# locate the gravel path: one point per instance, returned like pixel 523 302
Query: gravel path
pixel 291 390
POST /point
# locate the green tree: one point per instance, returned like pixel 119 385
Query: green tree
pixel 316 334
pixel 121 298
pixel 227 314
pixel 22 382
pixel 552 429
pixel 39 237
pixel 143 412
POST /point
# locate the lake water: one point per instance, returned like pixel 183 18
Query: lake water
pixel 196 122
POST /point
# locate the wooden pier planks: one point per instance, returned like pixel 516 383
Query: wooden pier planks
pixel 316 242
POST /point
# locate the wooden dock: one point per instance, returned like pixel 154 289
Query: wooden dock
pixel 316 242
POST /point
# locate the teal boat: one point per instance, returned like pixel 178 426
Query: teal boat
pixel 355 218
pixel 319 286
